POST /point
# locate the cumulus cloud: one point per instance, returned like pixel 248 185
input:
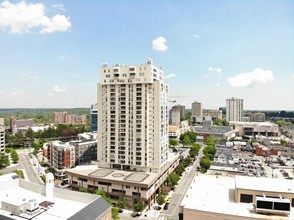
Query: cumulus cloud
pixel 63 57
pixel 256 77
pixel 29 76
pixel 159 44
pixel 22 17
pixel 56 90
pixel 214 69
pixel 171 75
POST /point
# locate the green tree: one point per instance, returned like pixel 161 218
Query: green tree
pixel 4 160
pixel 30 134
pixel 138 207
pixel 205 163
pixel 83 189
pixel 14 156
pixel 172 179
pixel 173 142
pixel 160 199
pixel 121 204
pixel 114 212
pixel 180 169
pixel 210 149
pixel 104 196
pixel 194 150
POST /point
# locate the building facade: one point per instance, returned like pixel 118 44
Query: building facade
pixel 234 107
pixel 2 136
pixel 65 118
pixel 132 118
pixel 61 156
pixel 175 116
pixel 94 118
pixel 85 151
pixel 215 114
pixel 257 117
pixel 197 109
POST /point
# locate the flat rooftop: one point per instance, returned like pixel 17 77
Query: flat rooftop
pixel 65 204
pixel 217 194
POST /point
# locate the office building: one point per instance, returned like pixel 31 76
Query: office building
pixel 257 117
pixel 234 109
pixel 215 114
pixel 21 125
pixel 94 118
pixel 197 109
pixel 132 118
pixel 2 136
pixel 26 200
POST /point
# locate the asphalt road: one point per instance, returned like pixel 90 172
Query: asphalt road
pixel 24 164
pixel 177 196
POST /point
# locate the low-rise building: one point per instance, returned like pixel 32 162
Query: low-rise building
pixel 25 200
pixel 222 132
pixel 130 185
pixel 253 129
pixel 230 198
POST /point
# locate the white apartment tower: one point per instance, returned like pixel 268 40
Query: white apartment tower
pixel 132 118
pixel 234 109
pixel 2 136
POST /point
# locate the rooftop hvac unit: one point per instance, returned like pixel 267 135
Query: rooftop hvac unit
pixel 278 206
pixel 32 205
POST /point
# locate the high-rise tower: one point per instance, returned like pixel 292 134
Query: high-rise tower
pixel 234 109
pixel 132 118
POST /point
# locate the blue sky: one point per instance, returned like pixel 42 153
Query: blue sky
pixel 51 51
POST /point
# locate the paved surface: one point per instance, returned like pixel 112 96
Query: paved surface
pixel 24 164
pixel 176 196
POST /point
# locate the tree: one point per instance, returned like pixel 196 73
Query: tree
pixel 194 150
pixel 14 156
pixel 172 179
pixel 138 207
pixel 187 140
pixel 83 189
pixel 210 149
pixel 205 163
pixel 4 160
pixel 104 196
pixel 173 142
pixel 121 204
pixel 160 199
pixel 180 169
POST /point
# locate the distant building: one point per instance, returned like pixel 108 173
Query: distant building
pixel 257 117
pixel 20 125
pixel 253 129
pixel 197 109
pixel 2 136
pixel 222 132
pixel 94 118
pixel 175 114
pixel 234 109
pixel 223 109
pixel 25 200
pixel 65 118
pixel 215 114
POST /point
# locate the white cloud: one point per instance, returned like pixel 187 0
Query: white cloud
pixel 59 6
pixel 22 17
pixel 159 44
pixel 214 69
pixel 256 77
pixel 56 90
pixel 63 57
pixel 171 75
pixel 218 84
pixel 28 76
pixel 196 36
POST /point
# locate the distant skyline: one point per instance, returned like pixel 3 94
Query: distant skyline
pixel 51 52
